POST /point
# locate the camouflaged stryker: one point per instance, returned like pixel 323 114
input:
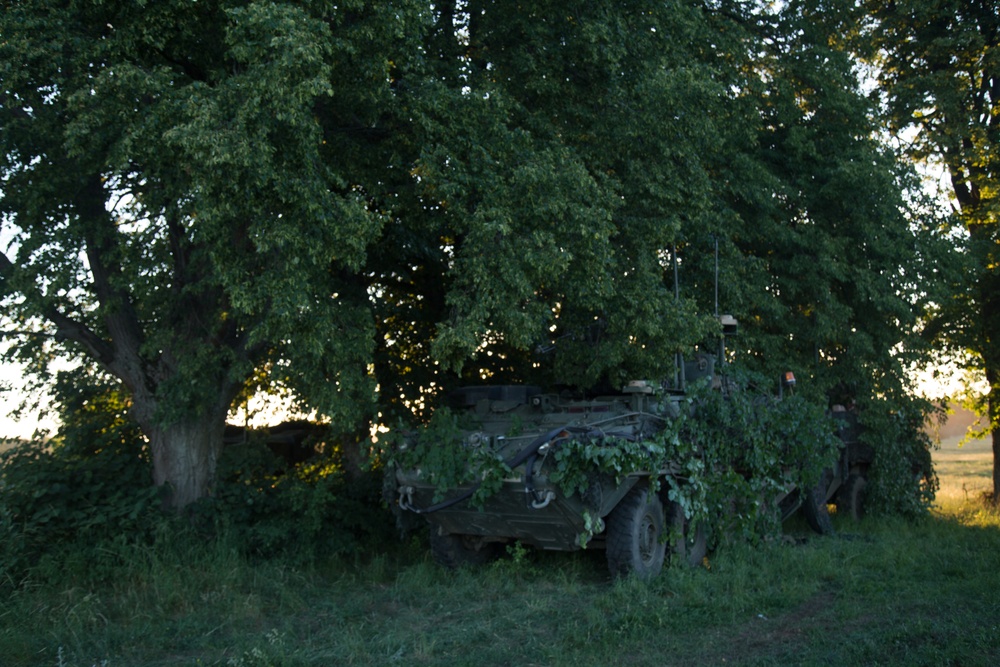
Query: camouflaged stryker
pixel 632 517
pixel 626 518
pixel 633 520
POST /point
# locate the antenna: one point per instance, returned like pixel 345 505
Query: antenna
pixel 677 280
pixel 722 338
pixel 680 381
pixel 728 322
pixel 716 239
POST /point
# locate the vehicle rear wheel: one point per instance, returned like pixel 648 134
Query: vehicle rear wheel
pixel 686 546
pixel 851 497
pixel 814 505
pixel 452 551
pixel 635 527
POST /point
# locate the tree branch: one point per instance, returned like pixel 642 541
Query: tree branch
pixel 66 327
pixel 116 307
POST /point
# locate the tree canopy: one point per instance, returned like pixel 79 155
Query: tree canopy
pixel 176 213
pixel 939 70
pixel 370 203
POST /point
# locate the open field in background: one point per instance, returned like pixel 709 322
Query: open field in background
pixel 6 444
pixel 965 472
pixel 964 469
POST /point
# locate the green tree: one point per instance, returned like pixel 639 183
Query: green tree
pixel 573 147
pixel 843 265
pixel 939 73
pixel 567 145
pixel 833 257
pixel 180 204
pixel 413 195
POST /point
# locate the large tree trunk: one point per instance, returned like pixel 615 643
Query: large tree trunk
pixel 185 455
pixel 993 414
pixel 988 322
pixel 996 465
pixel 993 410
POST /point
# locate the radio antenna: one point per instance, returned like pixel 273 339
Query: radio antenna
pixel 716 239
pixel 680 381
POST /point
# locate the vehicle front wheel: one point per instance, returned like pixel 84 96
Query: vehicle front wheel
pixel 453 551
pixel 687 546
pixel 814 505
pixel 635 527
pixel 851 497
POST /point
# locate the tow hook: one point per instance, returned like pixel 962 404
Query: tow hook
pixel 406 498
pixel 543 501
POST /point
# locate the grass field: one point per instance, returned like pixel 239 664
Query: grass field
pixel 883 592
pixel 6 444
pixel 965 471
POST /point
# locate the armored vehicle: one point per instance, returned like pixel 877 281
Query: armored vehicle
pixel 629 517
pixel 845 483
pixel 628 511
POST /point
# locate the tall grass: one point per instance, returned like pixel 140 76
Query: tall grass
pixel 965 470
pixel 886 592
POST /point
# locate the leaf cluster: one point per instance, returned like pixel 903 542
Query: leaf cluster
pixel 88 484
pixel 578 461
pixel 440 450
pixel 297 512
pixel 902 477
pixel 753 448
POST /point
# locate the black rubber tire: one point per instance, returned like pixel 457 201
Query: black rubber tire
pixel 851 497
pixel 634 537
pixel 687 547
pixel 454 551
pixel 814 505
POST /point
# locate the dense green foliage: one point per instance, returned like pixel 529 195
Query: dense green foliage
pixel 939 76
pixel 90 484
pixel 303 512
pixel 751 448
pixel 372 203
pixel 88 488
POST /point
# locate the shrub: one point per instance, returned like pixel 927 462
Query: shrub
pixel 90 487
pixel 302 511
pixel 90 483
pixel 901 478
